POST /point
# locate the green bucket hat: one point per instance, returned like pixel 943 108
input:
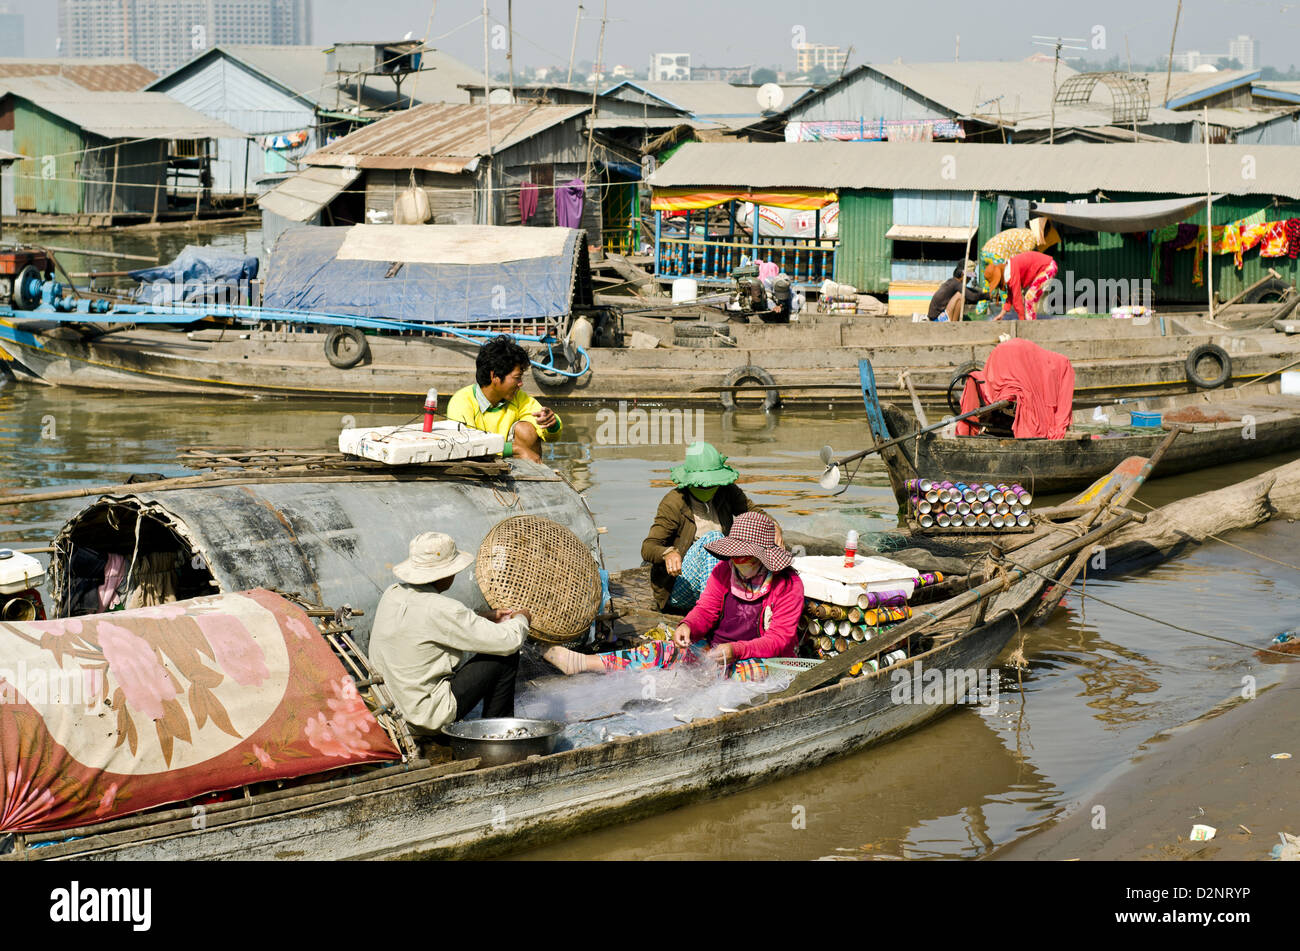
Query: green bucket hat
pixel 704 467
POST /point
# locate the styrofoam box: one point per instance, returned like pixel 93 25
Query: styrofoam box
pixel 18 572
pixel 826 579
pixel 407 445
pixel 1291 382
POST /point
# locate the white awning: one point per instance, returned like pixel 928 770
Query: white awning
pixel 302 196
pixel 1122 217
pixel 930 233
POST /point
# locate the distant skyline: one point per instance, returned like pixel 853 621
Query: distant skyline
pixel 762 32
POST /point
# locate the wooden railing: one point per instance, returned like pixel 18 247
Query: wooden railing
pixel 805 260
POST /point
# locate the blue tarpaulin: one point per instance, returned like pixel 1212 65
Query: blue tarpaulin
pixel 428 273
pixel 197 274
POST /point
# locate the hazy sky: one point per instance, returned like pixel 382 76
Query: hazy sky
pixel 761 31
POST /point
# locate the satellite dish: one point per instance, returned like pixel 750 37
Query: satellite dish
pixel 1206 68
pixel 500 97
pixel 770 97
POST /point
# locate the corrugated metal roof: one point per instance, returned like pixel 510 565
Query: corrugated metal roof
pixel 1185 88
pixel 1073 168
pixel 1282 90
pixel 1241 118
pixel 732 106
pixel 303 195
pixel 1016 93
pixel 440 137
pixel 97 75
pixel 119 115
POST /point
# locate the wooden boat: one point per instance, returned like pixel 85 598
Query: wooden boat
pixel 1223 426
pixel 420 809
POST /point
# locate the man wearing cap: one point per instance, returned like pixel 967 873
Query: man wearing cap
pixel 496 402
pixel 439 658
pixel 699 510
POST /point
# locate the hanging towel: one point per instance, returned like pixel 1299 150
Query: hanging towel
pixel 527 202
pixel 1292 237
pixel 568 203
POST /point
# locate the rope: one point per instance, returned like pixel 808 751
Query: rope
pixel 1156 620
pixel 1217 538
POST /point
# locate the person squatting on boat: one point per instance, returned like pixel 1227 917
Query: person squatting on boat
pixel 1026 276
pixel 749 610
pixel 698 511
pixel 496 402
pixel 954 294
pixel 439 658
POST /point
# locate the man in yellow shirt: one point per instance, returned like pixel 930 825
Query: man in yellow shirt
pixel 496 403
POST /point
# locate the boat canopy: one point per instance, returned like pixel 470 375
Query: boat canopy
pixel 431 273
pixel 110 714
pixel 1122 217
pixel 197 274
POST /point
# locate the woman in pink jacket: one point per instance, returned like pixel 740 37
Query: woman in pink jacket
pixel 750 609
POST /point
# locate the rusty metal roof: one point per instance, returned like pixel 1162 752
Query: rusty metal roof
pixel 96 75
pixel 440 137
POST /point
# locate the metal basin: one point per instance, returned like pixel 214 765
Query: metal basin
pixel 472 738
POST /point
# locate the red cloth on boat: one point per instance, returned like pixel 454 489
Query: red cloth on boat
pixel 1040 381
pixel 109 714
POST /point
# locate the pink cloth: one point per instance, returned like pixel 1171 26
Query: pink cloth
pixel 777 634
pixel 527 202
pixel 1040 381
pixel 1020 273
pixel 768 270
pixel 114 572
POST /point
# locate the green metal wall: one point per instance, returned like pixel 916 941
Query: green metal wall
pixel 863 255
pixel 38 134
pixel 1128 257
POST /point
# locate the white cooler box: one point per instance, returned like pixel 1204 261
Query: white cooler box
pixel 826 579
pixel 408 445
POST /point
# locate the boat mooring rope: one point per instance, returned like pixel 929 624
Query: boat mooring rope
pixel 1156 620
pixel 1217 538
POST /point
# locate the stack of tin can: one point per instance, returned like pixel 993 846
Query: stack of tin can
pixel 969 507
pixel 827 630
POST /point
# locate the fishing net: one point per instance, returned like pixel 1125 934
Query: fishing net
pixel 539 565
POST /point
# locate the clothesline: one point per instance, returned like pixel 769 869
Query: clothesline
pixel 1274 239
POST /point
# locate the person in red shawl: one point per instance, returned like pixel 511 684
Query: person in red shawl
pixel 1025 276
pixel 1040 381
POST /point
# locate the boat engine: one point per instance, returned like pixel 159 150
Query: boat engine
pixel 771 304
pixel 20 576
pixel 23 272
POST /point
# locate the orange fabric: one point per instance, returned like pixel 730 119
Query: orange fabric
pixel 1041 383
pixel 691 199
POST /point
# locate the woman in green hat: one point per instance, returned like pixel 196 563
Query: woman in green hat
pixel 698 511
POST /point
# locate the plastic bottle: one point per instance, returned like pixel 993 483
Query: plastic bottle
pixel 850 548
pixel 430 407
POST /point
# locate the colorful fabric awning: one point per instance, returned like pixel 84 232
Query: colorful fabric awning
pixel 110 714
pixel 692 199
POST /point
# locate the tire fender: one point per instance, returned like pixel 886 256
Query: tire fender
pixel 750 374
pixel 336 337
pixel 1200 353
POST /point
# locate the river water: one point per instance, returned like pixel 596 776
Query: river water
pixel 1101 683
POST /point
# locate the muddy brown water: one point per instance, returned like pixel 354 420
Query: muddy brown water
pixel 1102 682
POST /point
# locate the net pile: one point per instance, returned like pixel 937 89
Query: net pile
pixel 539 565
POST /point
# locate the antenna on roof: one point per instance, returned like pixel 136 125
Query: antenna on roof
pixel 1061 43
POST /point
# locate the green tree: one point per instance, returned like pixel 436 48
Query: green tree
pixel 764 75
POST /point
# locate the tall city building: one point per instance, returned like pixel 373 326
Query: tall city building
pixel 670 66
pixel 11 34
pixel 163 34
pixel 1245 51
pixel 808 56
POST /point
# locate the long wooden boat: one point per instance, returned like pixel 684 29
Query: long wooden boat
pixel 459 809
pixel 811 362
pixel 1223 426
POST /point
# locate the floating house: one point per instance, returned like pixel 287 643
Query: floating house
pixel 291 100
pixel 909 212
pixel 104 158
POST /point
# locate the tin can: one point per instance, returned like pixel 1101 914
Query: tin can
pixel 926 521
pixel 882 599
pixel 995 521
pixel 1017 509
pixel 926 484
pixel 943 520
pixel 1004 509
pixel 981 494
pixel 830 627
pixel 929 578
pixel 890 615
pixel 921 505
pixel 969 496
pixel 969 521
pixel 893 657
pixel 1023 520
pixel 982 520
pixel 932 496
pixel 950 508
pixel 963 508
pixel 858 634
pixel 990 508
pixel 1025 499
pixel 825 643
pixel 871 665
pixel 855 615
pixel 841 645
pixel 913 485
pixel 844 628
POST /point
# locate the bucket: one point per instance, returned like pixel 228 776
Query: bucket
pixel 1146 420
pixel 685 290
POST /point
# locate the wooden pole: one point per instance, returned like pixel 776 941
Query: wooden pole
pixel 1209 220
pixel 490 201
pixel 510 44
pixel 573 48
pixel 247 147
pixel 112 191
pixel 1169 67
pixel 161 181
